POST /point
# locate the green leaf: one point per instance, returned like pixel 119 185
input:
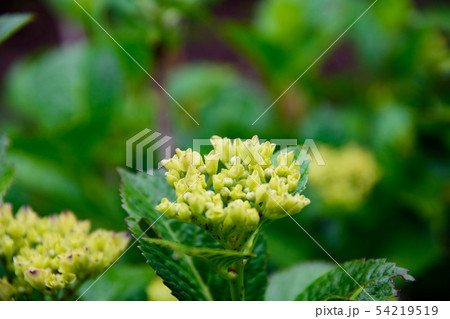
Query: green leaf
pixel 6 170
pixel 219 259
pixel 73 90
pixel 10 23
pixel 255 272
pixel 123 282
pixel 375 276
pixel 140 194
pixel 285 284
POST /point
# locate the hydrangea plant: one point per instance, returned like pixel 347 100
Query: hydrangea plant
pixel 49 257
pixel 54 255
pixel 199 225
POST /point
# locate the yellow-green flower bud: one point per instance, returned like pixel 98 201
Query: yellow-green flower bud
pixel 5 214
pixel 225 192
pixel 228 182
pixel 164 206
pixel 6 290
pixel 285 159
pixel 300 202
pixel 212 162
pixel 215 214
pixel 237 211
pixel 54 282
pixel 267 150
pixel 36 278
pixel 172 176
pixel 237 192
pixel 218 182
pixel 292 181
pixel 223 147
pixel 15 229
pixel 173 163
pixel 273 208
pixel 253 180
pixel 197 203
pixel 7 247
pixel 183 213
pixel 261 193
pixel 252 219
pixel 250 196
pixel 282 171
pixel 236 171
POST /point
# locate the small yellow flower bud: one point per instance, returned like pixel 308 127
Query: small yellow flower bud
pixel 36 278
pixel 236 171
pixel 66 221
pixel 197 204
pixel 7 247
pixel 183 212
pixel 300 202
pixel 228 182
pixel 253 180
pixel 222 147
pixel 252 219
pixel 285 159
pixel 273 208
pixel 274 182
pixel 172 176
pixel 225 192
pixel 212 162
pixel 250 196
pixel 237 211
pixel 164 205
pixel 15 229
pixel 267 150
pixel 218 182
pixel 215 214
pixel 261 193
pixel 282 171
pixel 173 163
pixel 237 192
pixel 292 181
pixel 5 214
pixel 54 282
pixel 6 289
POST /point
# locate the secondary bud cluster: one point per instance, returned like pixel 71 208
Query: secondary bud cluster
pixel 233 189
pixel 347 179
pixel 52 253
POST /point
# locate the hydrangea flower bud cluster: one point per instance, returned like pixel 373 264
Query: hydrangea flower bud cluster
pixel 233 189
pixel 347 179
pixel 52 253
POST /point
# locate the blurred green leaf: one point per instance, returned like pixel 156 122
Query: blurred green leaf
pixel 73 90
pixel 284 285
pixel 10 23
pixel 373 275
pixel 6 170
pixel 226 103
pixel 122 282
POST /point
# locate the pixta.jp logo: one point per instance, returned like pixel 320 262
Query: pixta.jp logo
pixel 144 148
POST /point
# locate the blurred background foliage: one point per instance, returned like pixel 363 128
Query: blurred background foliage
pixel 377 104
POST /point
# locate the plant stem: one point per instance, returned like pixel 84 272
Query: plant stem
pixel 237 284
